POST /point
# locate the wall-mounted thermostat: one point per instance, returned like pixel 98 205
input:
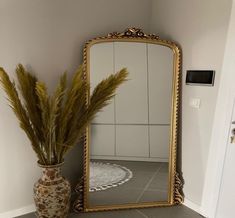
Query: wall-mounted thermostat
pixel 200 77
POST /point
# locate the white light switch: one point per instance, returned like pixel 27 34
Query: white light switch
pixel 195 102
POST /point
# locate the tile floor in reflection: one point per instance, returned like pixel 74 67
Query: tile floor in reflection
pixel 149 183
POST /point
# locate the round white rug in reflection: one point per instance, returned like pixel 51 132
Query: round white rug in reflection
pixel 107 175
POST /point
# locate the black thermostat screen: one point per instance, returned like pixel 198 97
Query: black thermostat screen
pixel 203 77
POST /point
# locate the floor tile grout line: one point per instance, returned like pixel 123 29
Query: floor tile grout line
pixel 147 185
pixel 160 167
pixel 141 213
pixel 157 190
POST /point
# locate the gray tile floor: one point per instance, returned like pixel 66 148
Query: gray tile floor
pixel 160 212
pixel 149 183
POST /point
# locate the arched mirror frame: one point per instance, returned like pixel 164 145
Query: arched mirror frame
pixel 175 184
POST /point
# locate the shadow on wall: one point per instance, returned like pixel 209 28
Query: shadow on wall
pixel 179 138
pixel 74 161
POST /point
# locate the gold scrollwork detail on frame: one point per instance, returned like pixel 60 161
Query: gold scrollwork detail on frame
pixel 178 197
pixel 133 32
pixel 79 189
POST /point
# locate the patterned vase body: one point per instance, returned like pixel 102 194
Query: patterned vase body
pixel 52 193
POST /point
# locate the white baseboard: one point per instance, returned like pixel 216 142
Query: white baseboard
pixel 194 207
pixel 18 212
pixel 147 159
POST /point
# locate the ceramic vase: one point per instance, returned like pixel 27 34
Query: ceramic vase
pixel 52 193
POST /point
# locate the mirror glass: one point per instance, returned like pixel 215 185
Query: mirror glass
pixel 130 138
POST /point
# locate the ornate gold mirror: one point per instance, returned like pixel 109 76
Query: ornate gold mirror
pixel 130 147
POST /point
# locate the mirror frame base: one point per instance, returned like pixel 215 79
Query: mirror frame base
pixel 78 205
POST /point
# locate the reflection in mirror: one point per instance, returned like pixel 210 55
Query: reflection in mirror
pixel 130 138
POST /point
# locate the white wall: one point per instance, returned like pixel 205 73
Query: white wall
pixel 47 37
pixel 220 132
pixel 200 27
